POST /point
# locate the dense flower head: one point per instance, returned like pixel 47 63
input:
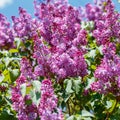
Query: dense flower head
pixel 21 79
pixel 62 61
pixel 17 99
pixel 108 72
pixel 42 54
pixel 108 25
pixel 109 50
pixel 58 22
pixel 24 26
pixel 6 33
pixel 92 12
pixel 26 68
pixel 24 111
pixel 48 103
pixel 61 46
pixel 69 64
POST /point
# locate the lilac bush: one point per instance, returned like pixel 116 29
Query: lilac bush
pixel 62 64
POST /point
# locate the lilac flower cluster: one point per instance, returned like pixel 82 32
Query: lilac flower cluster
pixel 68 64
pixel 107 34
pixel 47 108
pixel 60 22
pixel 6 33
pixel 26 68
pixel 108 72
pixel 41 53
pixel 24 111
pixel 92 12
pixel 108 25
pixel 24 26
pixel 60 49
pixel 48 103
pixel 19 102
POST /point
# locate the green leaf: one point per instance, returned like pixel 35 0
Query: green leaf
pixel 85 113
pixel 10 75
pixel 2 66
pixel 93 67
pixel 88 62
pixel 71 118
pixel 7 61
pixel 92 53
pixel 7 77
pixel 114 102
pixel 1 78
pixel 109 104
pixel 35 96
pixel 28 89
pixel 69 86
pixel 90 81
pixel 115 115
pixel 9 102
pixel 23 89
pixel 4 115
pixel 66 98
pixel 18 42
pixel 76 85
pixel 13 51
pixel 100 49
pixel 14 74
pixel 37 85
pixel 88 118
pixel 28 43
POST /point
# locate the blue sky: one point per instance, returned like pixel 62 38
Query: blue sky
pixel 10 7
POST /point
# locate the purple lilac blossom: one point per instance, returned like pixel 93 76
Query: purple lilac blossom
pixel 6 33
pixel 24 111
pixel 108 72
pixel 24 26
pixel 63 40
pixel 107 27
pixel 48 109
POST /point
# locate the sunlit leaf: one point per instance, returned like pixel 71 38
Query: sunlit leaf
pixel 23 89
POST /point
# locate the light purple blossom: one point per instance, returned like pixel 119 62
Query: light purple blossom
pixel 24 26
pixel 6 33
pixel 48 109
pixel 107 26
pixel 24 111
pixel 108 72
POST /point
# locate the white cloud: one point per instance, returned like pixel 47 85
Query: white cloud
pixel 4 3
